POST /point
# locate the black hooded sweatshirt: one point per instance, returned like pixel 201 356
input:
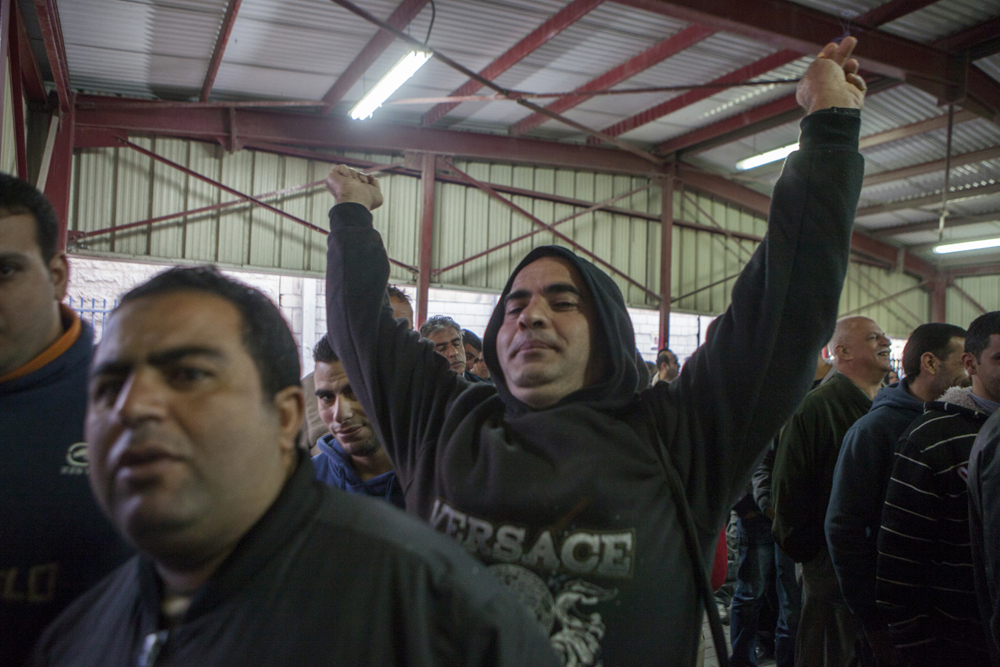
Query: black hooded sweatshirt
pixel 570 505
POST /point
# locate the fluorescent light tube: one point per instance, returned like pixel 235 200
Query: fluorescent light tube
pixel 967 245
pixel 765 158
pixel 389 83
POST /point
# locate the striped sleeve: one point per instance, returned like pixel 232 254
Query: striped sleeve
pixel 905 549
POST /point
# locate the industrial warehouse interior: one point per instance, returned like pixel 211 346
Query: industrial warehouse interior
pixel 712 212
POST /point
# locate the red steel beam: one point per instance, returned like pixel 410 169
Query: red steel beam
pixel 576 246
pixel 31 75
pixel 890 11
pixel 376 46
pixel 752 200
pixel 762 66
pixel 978 270
pixel 968 297
pixel 17 96
pixel 57 185
pixel 753 121
pixel 966 39
pixel 527 235
pixel 563 19
pixel 648 58
pixel 932 225
pixel 341 133
pixel 427 177
pixel 761 118
pixel 955 194
pixel 5 49
pixel 939 299
pixel 932 166
pixel 805 30
pixel 55 48
pixel 225 30
pixel 666 256
pixel 920 127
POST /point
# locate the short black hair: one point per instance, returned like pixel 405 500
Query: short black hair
pixel 399 294
pixel 266 335
pixel 323 352
pixel 934 338
pixel 661 357
pixel 977 338
pixel 19 197
pixel 469 338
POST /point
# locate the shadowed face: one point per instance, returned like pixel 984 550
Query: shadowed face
pixel 30 292
pixel 185 450
pixel 448 343
pixel 545 340
pixel 341 411
pixel 985 371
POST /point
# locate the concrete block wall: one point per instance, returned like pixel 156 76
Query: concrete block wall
pixel 303 303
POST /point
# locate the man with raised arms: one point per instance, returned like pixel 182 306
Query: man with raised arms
pixel 557 477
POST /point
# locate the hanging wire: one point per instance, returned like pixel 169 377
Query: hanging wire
pixel 947 172
pixel 431 25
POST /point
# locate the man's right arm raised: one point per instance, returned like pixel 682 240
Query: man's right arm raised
pixel 403 385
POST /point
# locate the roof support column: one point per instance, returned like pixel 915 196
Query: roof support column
pixel 4 50
pixel 666 254
pixel 57 181
pixel 939 299
pixel 426 237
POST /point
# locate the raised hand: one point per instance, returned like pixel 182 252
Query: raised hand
pixel 832 79
pixel 350 185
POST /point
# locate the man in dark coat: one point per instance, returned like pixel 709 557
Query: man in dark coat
pixel 54 541
pixel 803 475
pixel 984 524
pixel 560 477
pixel 245 559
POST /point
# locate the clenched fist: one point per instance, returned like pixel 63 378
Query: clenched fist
pixel 832 79
pixel 350 185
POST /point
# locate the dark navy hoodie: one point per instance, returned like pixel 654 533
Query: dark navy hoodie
pixel 569 505
pixel 860 479
pixel 55 542
pixel 334 468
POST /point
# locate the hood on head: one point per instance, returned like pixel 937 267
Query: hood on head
pixel 614 337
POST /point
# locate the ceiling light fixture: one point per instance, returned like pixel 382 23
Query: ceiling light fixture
pixel 967 245
pixel 765 158
pixel 389 84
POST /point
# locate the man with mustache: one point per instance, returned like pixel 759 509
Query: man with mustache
pixel 803 475
pixel 560 477
pixel 244 559
pixel 925 583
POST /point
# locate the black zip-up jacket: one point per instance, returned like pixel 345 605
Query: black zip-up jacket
pixel 323 578
pixel 570 504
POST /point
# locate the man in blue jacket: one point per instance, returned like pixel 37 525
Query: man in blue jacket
pixel 350 457
pixel 54 541
pixel 932 363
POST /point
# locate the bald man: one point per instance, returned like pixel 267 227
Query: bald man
pixel 803 477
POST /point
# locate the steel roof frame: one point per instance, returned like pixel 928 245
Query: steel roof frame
pixel 538 37
pixel 225 30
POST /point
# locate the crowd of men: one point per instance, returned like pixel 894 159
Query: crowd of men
pixel 561 506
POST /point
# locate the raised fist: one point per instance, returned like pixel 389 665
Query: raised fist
pixel 832 79
pixel 350 185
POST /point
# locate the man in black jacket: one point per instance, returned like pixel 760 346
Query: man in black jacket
pixel 54 541
pixel 559 477
pixel 245 559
